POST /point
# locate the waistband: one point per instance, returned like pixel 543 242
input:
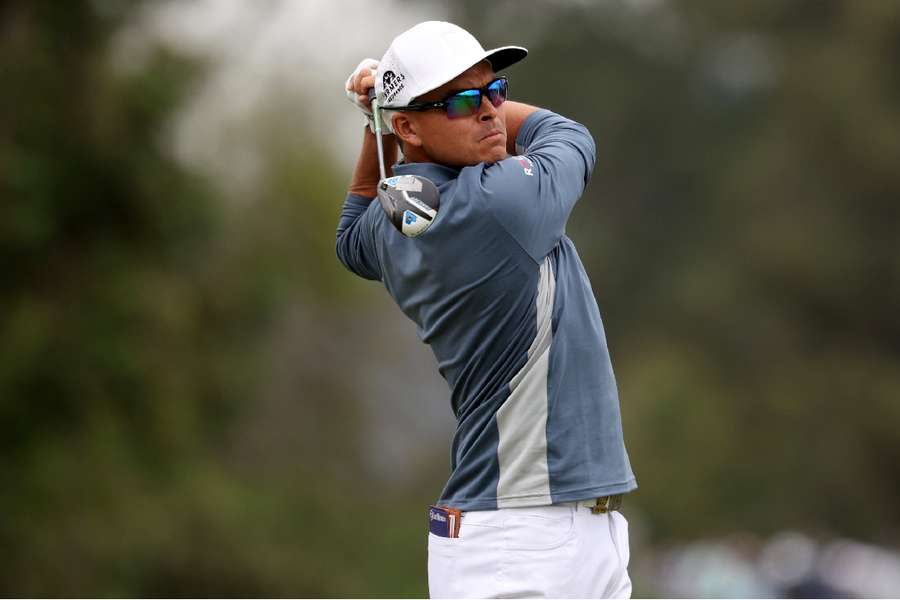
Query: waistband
pixel 599 505
pixel 445 521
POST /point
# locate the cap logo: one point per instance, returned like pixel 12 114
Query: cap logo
pixel 393 84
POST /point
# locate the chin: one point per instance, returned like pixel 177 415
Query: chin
pixel 495 155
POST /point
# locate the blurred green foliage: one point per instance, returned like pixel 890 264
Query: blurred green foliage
pixel 137 315
pixel 180 420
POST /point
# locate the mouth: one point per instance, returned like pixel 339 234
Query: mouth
pixel 492 136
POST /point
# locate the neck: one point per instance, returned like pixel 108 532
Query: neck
pixel 415 154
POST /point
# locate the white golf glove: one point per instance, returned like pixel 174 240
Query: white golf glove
pixel 370 66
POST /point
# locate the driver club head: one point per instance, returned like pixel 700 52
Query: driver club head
pixel 410 202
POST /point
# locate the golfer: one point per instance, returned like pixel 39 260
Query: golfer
pixel 496 288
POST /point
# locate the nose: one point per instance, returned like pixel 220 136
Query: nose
pixel 488 111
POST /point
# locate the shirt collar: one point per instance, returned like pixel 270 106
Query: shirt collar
pixel 438 174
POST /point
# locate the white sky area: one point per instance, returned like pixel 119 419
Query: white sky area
pixel 265 52
pixel 265 56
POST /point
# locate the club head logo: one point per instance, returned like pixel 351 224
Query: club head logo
pixel 413 224
pixel 392 84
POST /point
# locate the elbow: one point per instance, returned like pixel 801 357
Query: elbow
pixel 588 153
pixel 340 248
pixel 352 258
pixel 589 156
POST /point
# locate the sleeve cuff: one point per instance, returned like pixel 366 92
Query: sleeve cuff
pixel 357 200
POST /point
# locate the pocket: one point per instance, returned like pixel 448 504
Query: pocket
pixel 442 567
pixel 618 531
pixel 530 531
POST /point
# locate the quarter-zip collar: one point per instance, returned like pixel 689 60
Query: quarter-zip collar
pixel 438 174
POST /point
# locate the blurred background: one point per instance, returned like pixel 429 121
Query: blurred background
pixel 197 400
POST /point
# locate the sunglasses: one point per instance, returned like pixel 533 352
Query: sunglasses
pixel 466 103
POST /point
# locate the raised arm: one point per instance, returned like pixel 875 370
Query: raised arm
pixel 533 194
pixel 515 113
pixel 355 242
pixel 366 175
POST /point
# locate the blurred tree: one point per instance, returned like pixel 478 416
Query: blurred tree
pixel 120 363
pixel 174 424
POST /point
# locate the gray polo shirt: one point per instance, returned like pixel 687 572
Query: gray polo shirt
pixel 498 291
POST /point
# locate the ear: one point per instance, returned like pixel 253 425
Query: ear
pixel 406 129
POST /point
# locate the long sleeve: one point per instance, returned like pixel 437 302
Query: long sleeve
pixel 532 195
pixel 355 238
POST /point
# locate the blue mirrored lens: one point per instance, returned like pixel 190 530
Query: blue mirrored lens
pixel 467 102
pixel 463 104
pixel 497 91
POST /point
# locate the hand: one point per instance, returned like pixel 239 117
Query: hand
pixel 361 80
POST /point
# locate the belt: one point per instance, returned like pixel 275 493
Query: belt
pixel 603 504
pixel 444 521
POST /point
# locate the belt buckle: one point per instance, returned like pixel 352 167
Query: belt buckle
pixel 607 504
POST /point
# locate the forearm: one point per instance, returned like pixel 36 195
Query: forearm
pixel 515 113
pixel 366 174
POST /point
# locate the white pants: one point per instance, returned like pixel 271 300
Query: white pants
pixel 559 551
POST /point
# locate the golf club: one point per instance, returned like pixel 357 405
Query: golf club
pixel 411 202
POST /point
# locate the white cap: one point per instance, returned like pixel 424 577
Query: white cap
pixel 428 56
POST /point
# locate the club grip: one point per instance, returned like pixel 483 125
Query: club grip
pixel 371 94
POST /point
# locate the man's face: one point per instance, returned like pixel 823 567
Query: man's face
pixel 463 141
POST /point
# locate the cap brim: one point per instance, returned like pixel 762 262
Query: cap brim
pixel 500 58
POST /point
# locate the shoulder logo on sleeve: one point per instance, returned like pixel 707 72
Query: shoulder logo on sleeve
pixel 526 165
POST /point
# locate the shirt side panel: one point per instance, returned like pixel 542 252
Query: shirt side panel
pixel 524 478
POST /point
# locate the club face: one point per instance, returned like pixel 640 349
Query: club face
pixel 410 202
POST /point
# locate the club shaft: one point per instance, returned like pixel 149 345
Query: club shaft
pixel 376 111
